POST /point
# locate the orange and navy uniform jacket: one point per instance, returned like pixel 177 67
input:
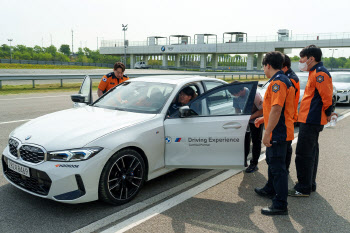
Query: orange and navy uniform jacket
pixel 316 104
pixel 280 92
pixel 109 81
pixel 295 81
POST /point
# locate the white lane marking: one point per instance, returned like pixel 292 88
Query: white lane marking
pixel 141 205
pixel 142 217
pixel 39 97
pixel 150 213
pixel 343 116
pixel 10 122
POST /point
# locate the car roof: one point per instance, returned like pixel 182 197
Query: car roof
pixel 174 79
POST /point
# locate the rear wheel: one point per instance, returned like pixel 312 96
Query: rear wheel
pixel 122 177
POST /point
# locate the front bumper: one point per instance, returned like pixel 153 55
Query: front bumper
pixel 343 98
pixel 68 182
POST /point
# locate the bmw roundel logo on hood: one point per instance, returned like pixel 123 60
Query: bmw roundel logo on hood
pixel 162 48
pixel 28 137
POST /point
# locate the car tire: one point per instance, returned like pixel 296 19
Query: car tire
pixel 122 177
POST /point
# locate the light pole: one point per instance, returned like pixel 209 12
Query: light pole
pixel 125 27
pixel 10 50
pixel 332 58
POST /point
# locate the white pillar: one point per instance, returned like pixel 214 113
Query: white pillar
pixel 250 61
pixel 165 61
pixel 132 61
pixel 145 59
pixel 260 58
pixel 203 61
pixel 177 60
pixel 214 60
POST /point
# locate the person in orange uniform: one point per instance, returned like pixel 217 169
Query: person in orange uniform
pixel 278 109
pixel 112 79
pixel 296 84
pixel 315 111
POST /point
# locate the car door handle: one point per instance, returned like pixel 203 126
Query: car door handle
pixel 232 126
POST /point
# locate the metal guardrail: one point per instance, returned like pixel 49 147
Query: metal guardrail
pixel 35 62
pixel 34 77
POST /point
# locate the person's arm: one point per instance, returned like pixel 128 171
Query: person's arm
pixel 278 98
pixel 102 86
pixel 258 102
pixel 258 121
pixel 256 114
pixel 99 92
pixel 324 87
pixel 274 117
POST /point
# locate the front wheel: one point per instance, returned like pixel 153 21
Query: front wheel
pixel 122 177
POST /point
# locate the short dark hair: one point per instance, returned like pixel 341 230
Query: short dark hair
pixel 274 59
pixel 311 51
pixel 235 89
pixel 188 91
pixel 287 61
pixel 119 65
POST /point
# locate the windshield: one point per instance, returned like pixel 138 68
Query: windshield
pixel 144 97
pixel 341 78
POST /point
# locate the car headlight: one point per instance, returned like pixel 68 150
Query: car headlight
pixel 343 91
pixel 73 155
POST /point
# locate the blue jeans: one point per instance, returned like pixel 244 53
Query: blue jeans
pixel 306 159
pixel 277 182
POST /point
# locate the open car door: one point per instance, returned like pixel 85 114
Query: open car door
pixel 211 133
pixel 84 96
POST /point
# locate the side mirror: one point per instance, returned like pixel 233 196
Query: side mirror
pixel 184 111
pixel 260 84
pixel 79 98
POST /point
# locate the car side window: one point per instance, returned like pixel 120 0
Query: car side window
pixel 176 104
pixel 224 100
pixel 212 84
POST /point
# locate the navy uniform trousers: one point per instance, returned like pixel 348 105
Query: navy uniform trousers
pixel 277 182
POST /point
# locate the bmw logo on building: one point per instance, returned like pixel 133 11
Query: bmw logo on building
pixel 162 48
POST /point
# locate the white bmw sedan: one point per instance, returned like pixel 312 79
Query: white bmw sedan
pixel 342 82
pixel 107 149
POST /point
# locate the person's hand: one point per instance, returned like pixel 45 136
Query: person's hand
pixel 258 121
pixel 329 117
pixel 266 139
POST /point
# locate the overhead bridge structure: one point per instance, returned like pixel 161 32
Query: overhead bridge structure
pixel 204 45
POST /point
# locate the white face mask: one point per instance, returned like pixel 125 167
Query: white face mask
pixel 303 66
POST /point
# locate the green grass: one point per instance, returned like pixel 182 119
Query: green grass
pixel 38 66
pixel 42 88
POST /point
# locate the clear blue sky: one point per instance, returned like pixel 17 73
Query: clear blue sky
pixel 38 22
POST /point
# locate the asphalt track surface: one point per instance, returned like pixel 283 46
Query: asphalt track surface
pixel 227 206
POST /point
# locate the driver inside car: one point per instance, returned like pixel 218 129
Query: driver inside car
pixel 185 96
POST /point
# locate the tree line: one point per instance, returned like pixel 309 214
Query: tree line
pixel 86 55
pixel 51 53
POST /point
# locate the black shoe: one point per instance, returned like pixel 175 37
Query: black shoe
pixel 295 193
pixel 313 188
pixel 263 193
pixel 251 168
pixel 273 211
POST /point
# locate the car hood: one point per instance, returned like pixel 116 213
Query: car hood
pixel 74 128
pixel 342 86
